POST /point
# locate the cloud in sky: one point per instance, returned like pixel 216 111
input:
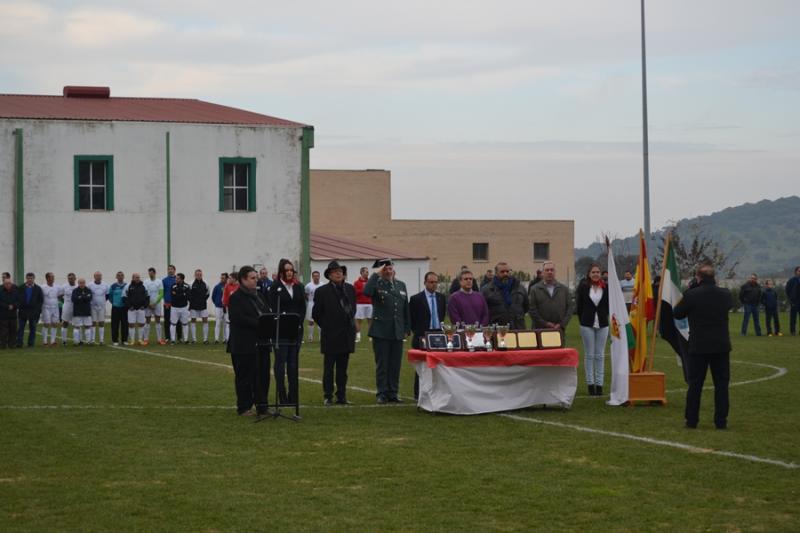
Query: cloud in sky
pixel 464 95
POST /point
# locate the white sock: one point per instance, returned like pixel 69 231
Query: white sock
pixel 227 331
pixel 53 334
pixel 76 335
pixel 132 334
pixel 146 331
pixel 205 331
pixel 159 334
pixel 88 334
pixel 193 332
pixel 172 329
pixel 102 331
pixel 64 334
pixel 44 335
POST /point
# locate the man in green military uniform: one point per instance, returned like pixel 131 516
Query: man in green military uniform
pixel 390 325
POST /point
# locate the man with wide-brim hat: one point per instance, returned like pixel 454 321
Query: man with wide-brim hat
pixel 391 323
pixel 334 311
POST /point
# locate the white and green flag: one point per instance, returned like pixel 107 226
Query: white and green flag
pixel 621 333
pixel 675 332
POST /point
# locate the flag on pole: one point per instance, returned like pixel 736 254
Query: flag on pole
pixel 621 335
pixel 643 308
pixel 675 332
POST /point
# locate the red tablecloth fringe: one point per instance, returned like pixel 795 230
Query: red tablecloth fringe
pixel 557 357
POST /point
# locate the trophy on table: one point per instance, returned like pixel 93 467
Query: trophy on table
pixel 488 331
pixel 469 331
pixel 449 330
pixel 502 331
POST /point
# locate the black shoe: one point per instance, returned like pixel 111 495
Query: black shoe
pixel 395 400
pixel 381 400
pixel 343 401
pixel 598 390
pixel 591 390
pixel 691 425
pixel 328 402
pixel 724 425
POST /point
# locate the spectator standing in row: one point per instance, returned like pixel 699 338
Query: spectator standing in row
pixel 99 298
pixel 220 326
pixel 81 313
pixel 770 300
pixel 288 296
pixel 455 285
pixel 119 310
pixel 426 311
pixel 9 303
pixel 179 309
pixel 264 282
pixel 793 295
pixel 487 278
pixel 311 286
pixel 550 301
pixel 627 284
pixel 230 288
pixel 136 300
pixel 50 292
pixel 468 306
pixel 167 284
pixel 155 306
pixel 30 309
pixel 591 299
pixel 505 297
pixel 750 297
pixel 198 306
pixel 363 302
pixel 65 294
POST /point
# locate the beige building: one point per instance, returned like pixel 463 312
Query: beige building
pixel 479 244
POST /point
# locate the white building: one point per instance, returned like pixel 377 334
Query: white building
pixel 93 182
pixel 409 269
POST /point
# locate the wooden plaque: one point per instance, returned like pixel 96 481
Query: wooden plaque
pixel 550 338
pixel 527 340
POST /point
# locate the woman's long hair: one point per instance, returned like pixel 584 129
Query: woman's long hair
pixel 282 273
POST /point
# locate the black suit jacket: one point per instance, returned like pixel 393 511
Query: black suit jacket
pixel 421 315
pixel 336 321
pixel 34 308
pixel 586 308
pixel 294 304
pixel 707 307
pixel 244 313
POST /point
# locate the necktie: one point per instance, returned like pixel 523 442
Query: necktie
pixel 434 313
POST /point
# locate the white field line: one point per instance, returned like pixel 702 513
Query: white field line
pixel 178 407
pixel 657 442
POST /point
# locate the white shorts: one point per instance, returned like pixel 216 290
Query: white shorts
pixel 363 311
pixel 82 321
pixel 66 312
pixel 198 313
pixel 158 310
pixel 99 313
pixel 135 316
pixel 179 314
pixel 309 310
pixel 50 315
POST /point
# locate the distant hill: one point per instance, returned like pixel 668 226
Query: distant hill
pixel 765 235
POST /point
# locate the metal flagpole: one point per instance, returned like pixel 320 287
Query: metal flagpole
pixel 645 143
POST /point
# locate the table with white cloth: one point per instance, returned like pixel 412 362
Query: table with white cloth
pixel 468 383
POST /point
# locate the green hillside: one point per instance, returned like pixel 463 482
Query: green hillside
pixel 764 236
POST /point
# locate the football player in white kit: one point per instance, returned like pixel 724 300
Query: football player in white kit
pixel 310 289
pixel 155 290
pixel 99 297
pixel 49 310
pixel 65 293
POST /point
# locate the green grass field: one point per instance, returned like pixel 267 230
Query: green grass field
pixel 102 438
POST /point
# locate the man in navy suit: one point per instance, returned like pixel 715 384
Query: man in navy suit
pixel 427 313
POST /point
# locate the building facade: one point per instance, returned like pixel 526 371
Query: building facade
pixel 358 204
pixel 99 183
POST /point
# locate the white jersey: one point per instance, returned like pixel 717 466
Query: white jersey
pixel 66 291
pixel 155 288
pixel 50 295
pixel 311 288
pixel 99 292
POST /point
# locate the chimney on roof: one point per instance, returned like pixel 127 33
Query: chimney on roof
pixel 78 91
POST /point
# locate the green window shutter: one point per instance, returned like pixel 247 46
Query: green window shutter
pixel 110 183
pixel 251 186
pixel 77 160
pixel 221 183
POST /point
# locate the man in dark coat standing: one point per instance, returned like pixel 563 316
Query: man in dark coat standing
pixel 250 359
pixel 506 299
pixel 390 325
pixel 31 299
pixel 427 309
pixel 334 312
pixel 9 302
pixel 707 307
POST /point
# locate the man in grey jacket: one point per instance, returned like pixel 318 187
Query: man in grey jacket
pixel 550 302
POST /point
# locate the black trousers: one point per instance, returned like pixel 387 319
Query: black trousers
pixel 286 356
pixel 251 380
pixel 388 357
pixel 720 365
pixel 335 363
pixel 32 321
pixel 119 320
pixel 8 333
pixel 772 320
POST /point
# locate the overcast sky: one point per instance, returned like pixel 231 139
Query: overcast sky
pixel 480 109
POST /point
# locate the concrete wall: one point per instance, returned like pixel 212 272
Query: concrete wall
pixel 411 272
pixel 134 235
pixel 358 205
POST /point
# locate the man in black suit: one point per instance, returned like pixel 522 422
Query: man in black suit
pixel 707 307
pixel 421 307
pixel 250 360
pixel 31 299
pixel 334 311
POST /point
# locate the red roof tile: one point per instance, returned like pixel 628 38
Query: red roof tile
pixel 97 107
pixel 329 247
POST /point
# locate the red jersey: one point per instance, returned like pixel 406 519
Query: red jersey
pixel 230 288
pixel 361 298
